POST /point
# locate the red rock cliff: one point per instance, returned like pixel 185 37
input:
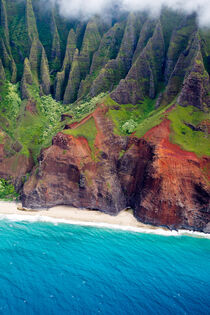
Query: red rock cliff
pixel 164 184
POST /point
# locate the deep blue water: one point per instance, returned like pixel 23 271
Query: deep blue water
pixel 65 269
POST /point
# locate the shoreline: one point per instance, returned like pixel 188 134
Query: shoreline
pixel 124 221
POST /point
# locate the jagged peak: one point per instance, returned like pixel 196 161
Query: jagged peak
pixel 27 79
pixel 35 56
pixel 130 38
pixel 181 69
pixel 72 87
pixel 146 33
pixel 4 23
pixel 45 74
pixel 5 55
pixel 70 49
pixel 2 72
pixel 91 38
pixel 144 75
pixel 178 43
pixel 155 51
pixel 56 47
pixel 196 86
pixel 8 62
pixel 59 85
pixel 31 21
pixel 13 71
pixel 109 46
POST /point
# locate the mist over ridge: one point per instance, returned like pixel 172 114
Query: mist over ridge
pixel 85 9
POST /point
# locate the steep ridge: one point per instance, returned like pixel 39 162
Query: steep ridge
pixel 106 114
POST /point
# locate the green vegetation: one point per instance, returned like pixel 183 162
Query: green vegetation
pixel 7 190
pixel 87 130
pixel 129 118
pixel 189 139
pixel 32 123
pixel 141 118
pixel 36 130
pixel 81 109
pixel 31 21
pixel 10 101
pixel 91 58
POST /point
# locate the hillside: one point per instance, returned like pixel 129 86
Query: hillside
pixel 106 113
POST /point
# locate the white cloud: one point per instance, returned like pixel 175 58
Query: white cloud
pixel 86 8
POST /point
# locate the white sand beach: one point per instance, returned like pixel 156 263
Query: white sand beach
pixel 66 214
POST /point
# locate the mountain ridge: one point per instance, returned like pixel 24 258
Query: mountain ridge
pixel 140 89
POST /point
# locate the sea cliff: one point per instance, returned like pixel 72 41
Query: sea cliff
pixel 107 115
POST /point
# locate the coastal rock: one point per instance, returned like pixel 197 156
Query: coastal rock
pixel 175 191
pixel 13 165
pixel 164 184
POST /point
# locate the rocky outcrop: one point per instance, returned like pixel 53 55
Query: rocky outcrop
pixel 13 165
pixel 116 155
pixel 175 191
pixel 86 178
pixel 164 184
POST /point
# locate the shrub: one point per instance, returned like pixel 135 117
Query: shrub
pixel 7 190
pixel 129 126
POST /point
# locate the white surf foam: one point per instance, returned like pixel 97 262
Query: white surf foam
pixel 143 230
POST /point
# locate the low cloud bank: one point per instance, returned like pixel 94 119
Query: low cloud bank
pixel 87 8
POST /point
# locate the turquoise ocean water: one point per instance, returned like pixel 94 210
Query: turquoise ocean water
pixel 68 269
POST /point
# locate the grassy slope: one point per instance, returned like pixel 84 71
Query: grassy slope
pixel 87 130
pixel 193 141
pixel 146 117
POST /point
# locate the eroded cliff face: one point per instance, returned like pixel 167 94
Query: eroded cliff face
pixel 13 165
pixel 71 172
pixel 164 184
pixel 175 190
pixel 106 114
